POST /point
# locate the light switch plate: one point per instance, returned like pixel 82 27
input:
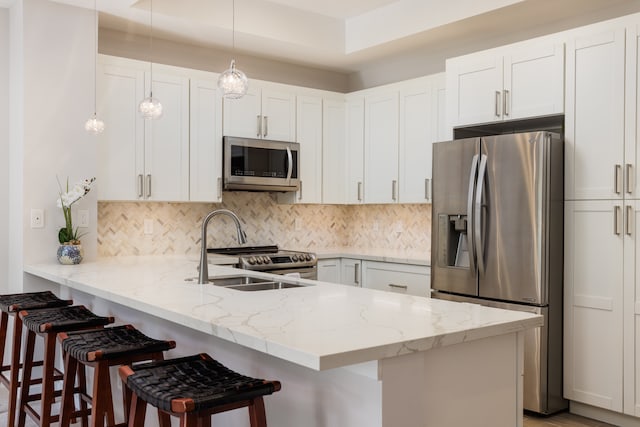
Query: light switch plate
pixel 37 218
pixel 83 218
pixel 148 226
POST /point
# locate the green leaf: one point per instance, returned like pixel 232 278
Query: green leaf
pixel 63 236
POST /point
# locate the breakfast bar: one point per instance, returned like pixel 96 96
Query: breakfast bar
pixel 346 356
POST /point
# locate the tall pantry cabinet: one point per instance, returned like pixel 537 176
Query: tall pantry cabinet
pixel 602 211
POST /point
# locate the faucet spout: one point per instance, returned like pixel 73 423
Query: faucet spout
pixel 203 275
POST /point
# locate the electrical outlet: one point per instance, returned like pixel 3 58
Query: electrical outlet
pixel 376 226
pixel 83 218
pixel 148 226
pixel 398 227
pixel 37 218
pixel 297 224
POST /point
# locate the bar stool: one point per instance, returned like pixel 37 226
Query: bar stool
pixel 10 305
pixel 46 324
pixel 193 388
pixel 101 349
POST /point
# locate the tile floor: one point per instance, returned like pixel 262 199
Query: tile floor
pixel 564 419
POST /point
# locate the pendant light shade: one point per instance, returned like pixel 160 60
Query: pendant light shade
pixel 94 125
pixel 233 83
pixel 150 108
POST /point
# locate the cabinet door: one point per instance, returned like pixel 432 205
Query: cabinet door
pixel 401 278
pixel 355 151
pixel 351 272
pixel 594 120
pixel 415 144
pixel 474 89
pixel 167 141
pixel 632 310
pixel 534 82
pixel 440 130
pixel 334 153
pixel 309 111
pixel 242 116
pixel 329 270
pixel 121 145
pixel 593 300
pixel 381 148
pixel 205 142
pixel 278 115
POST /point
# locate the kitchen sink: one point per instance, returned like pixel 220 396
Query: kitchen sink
pixel 243 282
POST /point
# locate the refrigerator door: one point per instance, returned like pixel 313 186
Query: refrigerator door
pixel 455 166
pixel 511 207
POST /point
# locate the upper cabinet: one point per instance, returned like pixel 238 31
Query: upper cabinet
pixel 513 83
pixel 334 151
pixel 309 125
pixel 355 149
pixel 264 112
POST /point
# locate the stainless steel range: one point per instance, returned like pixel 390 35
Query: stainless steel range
pixel 270 259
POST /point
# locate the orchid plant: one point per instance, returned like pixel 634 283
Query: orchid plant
pixel 67 235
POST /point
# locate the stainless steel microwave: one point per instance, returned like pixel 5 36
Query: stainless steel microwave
pixel 260 164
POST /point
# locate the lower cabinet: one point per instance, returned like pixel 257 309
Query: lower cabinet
pixel 402 278
pixel 351 272
pixel 329 270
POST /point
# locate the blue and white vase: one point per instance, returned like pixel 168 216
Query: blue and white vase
pixel 70 254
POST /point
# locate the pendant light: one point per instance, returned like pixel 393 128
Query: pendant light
pixel 150 107
pixel 233 83
pixel 94 125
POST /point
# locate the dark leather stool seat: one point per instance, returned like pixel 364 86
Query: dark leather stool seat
pixel 10 305
pixel 101 349
pixel 193 388
pixel 46 323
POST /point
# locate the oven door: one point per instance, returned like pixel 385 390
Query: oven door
pixel 258 164
pixel 303 272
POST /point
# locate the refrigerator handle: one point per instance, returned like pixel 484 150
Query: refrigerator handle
pixel 470 222
pixel 477 215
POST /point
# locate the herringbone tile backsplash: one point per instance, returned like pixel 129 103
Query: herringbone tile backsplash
pixel 176 226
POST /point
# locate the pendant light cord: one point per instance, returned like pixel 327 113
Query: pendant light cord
pixel 233 26
pixel 151 49
pixel 95 59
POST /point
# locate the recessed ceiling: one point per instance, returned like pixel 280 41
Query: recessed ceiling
pixel 346 35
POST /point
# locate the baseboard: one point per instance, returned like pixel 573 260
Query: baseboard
pixel 614 418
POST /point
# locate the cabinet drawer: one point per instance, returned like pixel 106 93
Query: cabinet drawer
pixel 401 278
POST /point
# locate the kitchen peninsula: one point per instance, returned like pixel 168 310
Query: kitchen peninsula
pixel 346 356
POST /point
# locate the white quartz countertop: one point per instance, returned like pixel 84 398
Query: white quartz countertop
pixel 321 327
pixel 415 257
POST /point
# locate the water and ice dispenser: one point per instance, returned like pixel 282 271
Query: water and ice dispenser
pixel 452 238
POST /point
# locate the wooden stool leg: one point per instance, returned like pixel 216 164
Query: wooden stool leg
pixel 27 367
pixel 102 405
pixel 164 419
pixel 204 421
pixel 68 384
pixel 257 415
pixel 189 419
pixel 138 410
pixel 47 379
pixel 4 326
pixel 82 389
pixel 15 370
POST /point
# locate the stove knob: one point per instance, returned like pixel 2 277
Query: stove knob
pixel 259 260
pixel 266 259
pixel 251 260
pixel 309 257
pixel 294 258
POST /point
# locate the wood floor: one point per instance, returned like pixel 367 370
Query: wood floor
pixel 564 419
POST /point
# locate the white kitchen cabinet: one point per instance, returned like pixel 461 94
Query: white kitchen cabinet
pixel 401 278
pixel 205 141
pixel 264 112
pixel 329 270
pixel 595 117
pixel 440 129
pixel 138 159
pixel 415 140
pixel 309 126
pixel 355 149
pixel 596 238
pixel 381 147
pixel 351 272
pixel 334 152
pixel 521 81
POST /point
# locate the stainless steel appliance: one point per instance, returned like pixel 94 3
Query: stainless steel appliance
pixel 497 240
pixel 260 164
pixel 270 259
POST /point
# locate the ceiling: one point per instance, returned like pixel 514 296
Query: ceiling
pixel 348 35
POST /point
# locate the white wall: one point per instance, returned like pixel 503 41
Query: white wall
pixel 4 148
pixel 51 98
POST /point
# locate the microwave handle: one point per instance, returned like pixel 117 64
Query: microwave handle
pixel 290 159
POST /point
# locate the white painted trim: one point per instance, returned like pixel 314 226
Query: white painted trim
pixel 7 3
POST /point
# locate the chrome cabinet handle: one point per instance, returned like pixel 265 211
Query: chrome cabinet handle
pixel 140 186
pixel 290 166
pixel 427 189
pixel 148 185
pixel 617 178
pixel 300 191
pixel 359 191
pixel 470 222
pixel 394 186
pixel 497 103
pixel 505 102
pixel 266 125
pixel 477 214
pixel 628 222
pixel 628 171
pixel 393 285
pixel 219 187
pixel 616 220
pixel 356 274
pixel 259 126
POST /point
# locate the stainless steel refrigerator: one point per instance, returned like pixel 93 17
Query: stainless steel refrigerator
pixel 497 240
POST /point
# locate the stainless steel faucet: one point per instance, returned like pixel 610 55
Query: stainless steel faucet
pixel 203 276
